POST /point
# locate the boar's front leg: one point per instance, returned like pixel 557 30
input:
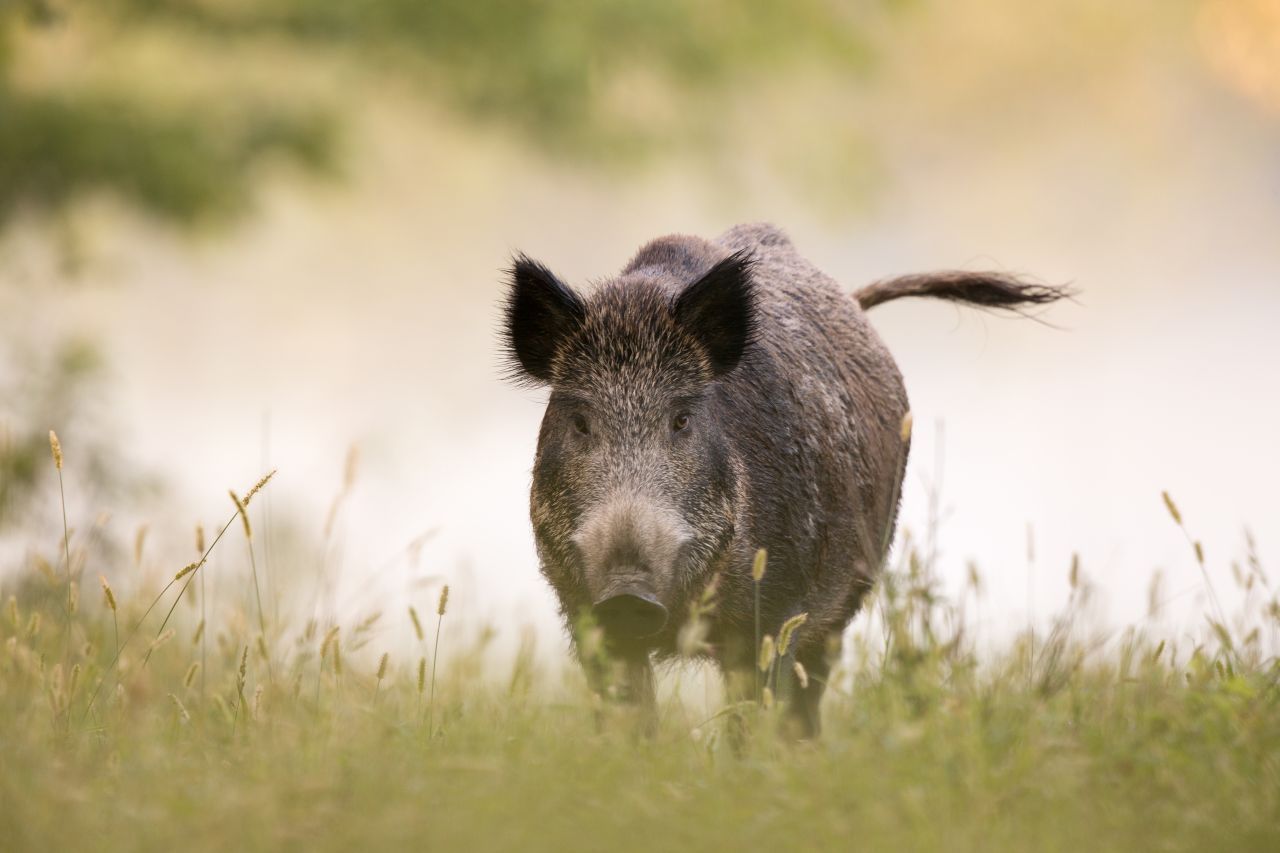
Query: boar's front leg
pixel 637 690
pixel 625 680
pixel 803 695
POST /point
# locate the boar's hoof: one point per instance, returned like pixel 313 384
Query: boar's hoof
pixel 630 615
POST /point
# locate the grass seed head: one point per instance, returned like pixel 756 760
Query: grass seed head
pixel 975 578
pixel 162 639
pixel 191 674
pixel 444 601
pixel 759 565
pixel 56 447
pixel 244 516
pixel 186 570
pixel 788 628
pixel 422 674
pixel 802 675
pixel 199 538
pixel 1172 507
pixel 417 624
pixel 182 709
pixel 258 486
pixel 1155 595
pixel 330 638
pixel 767 652
pixel 692 638
pixel 107 594
pixel 382 666
pixel 140 543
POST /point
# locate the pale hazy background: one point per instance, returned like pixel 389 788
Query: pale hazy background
pixel 1130 149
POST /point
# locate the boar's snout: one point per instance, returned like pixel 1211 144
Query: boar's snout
pixel 629 547
pixel 630 614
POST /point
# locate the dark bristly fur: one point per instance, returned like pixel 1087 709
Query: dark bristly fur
pixel 715 398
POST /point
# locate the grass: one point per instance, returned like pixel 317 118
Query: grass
pixel 1063 741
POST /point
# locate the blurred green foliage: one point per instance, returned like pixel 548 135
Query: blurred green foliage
pixel 54 387
pixel 575 79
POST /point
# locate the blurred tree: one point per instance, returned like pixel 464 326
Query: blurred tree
pixel 598 79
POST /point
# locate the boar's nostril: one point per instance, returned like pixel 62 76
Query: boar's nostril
pixel 631 615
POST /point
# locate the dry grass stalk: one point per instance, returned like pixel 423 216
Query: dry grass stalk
pixel 56 448
pixel 253 563
pixel 758 568
pixel 441 607
pixel 182 709
pixel 140 543
pixel 382 673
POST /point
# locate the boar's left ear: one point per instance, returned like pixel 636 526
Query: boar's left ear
pixel 719 311
pixel 541 310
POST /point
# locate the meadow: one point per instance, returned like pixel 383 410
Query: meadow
pixel 129 722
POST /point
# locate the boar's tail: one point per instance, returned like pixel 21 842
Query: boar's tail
pixel 991 290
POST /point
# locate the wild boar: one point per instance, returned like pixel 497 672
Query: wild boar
pixel 715 398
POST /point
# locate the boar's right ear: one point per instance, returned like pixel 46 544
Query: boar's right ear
pixel 540 311
pixel 719 310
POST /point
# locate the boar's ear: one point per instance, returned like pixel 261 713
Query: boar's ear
pixel 540 311
pixel 719 310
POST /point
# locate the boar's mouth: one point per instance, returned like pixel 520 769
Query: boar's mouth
pixel 630 613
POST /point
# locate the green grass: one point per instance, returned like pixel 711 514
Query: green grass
pixel 1057 742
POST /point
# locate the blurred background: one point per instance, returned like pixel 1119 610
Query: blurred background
pixel 238 235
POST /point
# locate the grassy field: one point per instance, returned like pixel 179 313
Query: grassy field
pixel 253 735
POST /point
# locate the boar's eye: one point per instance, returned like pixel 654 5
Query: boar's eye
pixel 580 425
pixel 680 422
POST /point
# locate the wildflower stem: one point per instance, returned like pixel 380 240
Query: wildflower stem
pixel 66 543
